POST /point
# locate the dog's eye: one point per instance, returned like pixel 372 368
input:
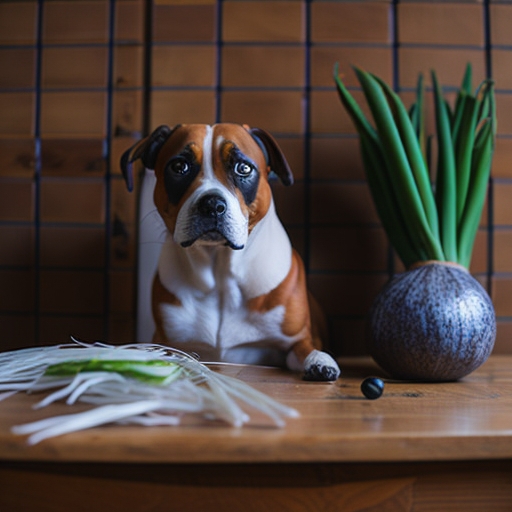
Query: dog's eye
pixel 243 168
pixel 179 166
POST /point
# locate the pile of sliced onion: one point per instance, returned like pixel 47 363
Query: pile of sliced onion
pixel 144 384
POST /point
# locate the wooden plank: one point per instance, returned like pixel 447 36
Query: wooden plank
pixel 428 487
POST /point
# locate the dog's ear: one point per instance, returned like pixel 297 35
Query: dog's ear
pixel 275 157
pixel 147 150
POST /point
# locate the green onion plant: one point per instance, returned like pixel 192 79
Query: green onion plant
pixel 426 219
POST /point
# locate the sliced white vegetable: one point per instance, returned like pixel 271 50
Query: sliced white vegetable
pixel 143 384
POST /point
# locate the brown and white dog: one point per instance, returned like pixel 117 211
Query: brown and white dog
pixel 229 286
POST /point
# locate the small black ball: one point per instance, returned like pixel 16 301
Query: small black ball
pixel 372 388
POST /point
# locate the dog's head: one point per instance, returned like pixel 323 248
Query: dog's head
pixel 212 181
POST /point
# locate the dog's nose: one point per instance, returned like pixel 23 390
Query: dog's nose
pixel 212 205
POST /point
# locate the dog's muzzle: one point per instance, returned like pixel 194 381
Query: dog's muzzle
pixel 209 222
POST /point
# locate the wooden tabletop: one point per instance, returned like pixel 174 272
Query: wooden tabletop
pixel 470 419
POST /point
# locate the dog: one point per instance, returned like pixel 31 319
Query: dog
pixel 229 286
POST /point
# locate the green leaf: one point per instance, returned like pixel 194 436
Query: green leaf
pixel 458 113
pixel 464 150
pixel 415 157
pixel 412 211
pixel 414 117
pixel 446 179
pixel 482 158
pixel 386 203
pixel 420 123
pixel 467 80
pixel 487 110
pixel 465 90
pixel 358 118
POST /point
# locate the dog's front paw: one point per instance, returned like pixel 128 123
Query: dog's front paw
pixel 319 366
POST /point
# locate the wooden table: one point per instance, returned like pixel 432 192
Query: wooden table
pixel 421 447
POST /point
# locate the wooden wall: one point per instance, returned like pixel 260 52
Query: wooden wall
pixel 81 80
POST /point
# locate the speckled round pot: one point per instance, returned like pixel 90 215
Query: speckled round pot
pixel 433 323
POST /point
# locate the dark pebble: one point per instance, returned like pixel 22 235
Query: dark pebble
pixel 372 388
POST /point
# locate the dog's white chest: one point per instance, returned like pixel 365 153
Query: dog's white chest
pixel 214 287
pixel 219 327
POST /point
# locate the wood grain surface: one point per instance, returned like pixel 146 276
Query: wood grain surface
pixel 469 419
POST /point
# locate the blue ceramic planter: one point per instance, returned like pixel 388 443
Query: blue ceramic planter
pixel 433 323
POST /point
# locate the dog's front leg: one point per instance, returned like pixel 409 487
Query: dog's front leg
pixel 317 365
pixel 305 321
